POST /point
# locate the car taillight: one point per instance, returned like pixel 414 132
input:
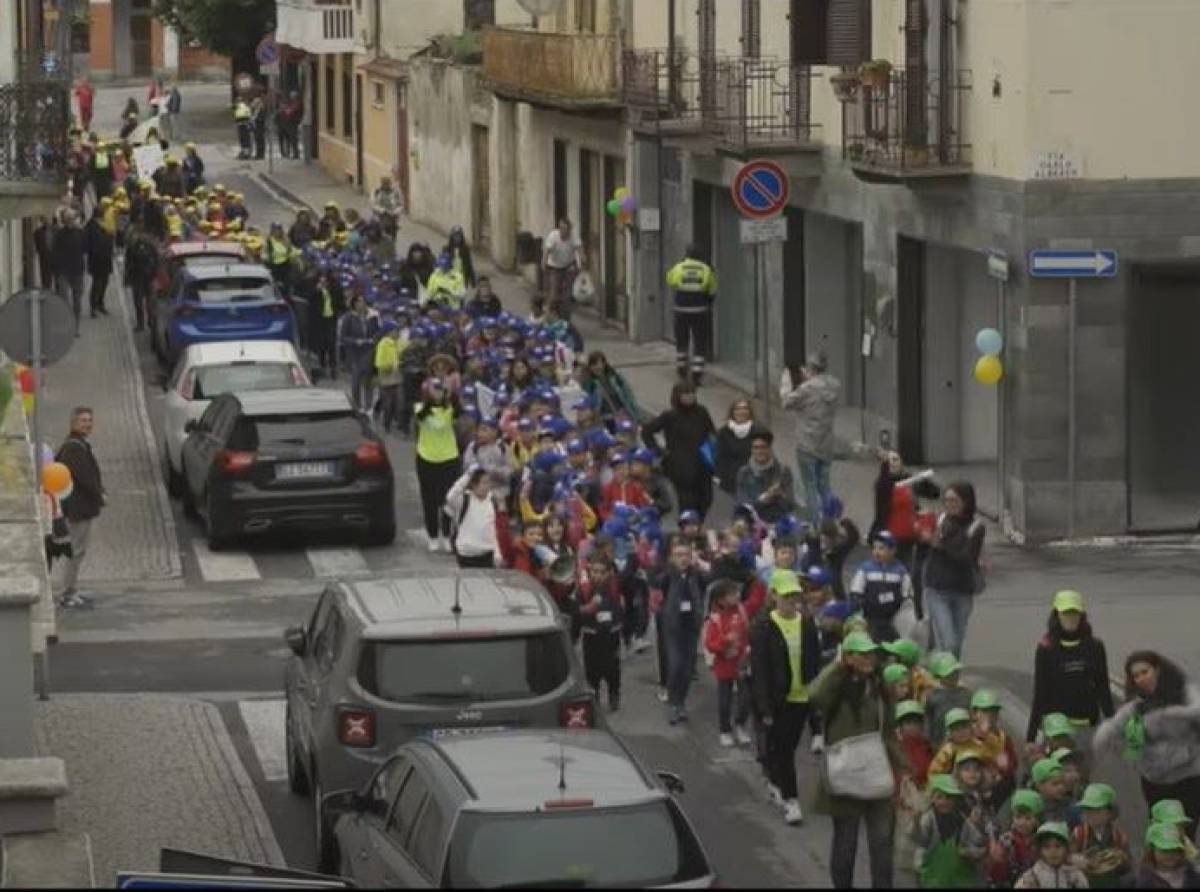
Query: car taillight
pixel 185 384
pixel 577 715
pixel 185 310
pixel 370 455
pixel 279 309
pixel 232 462
pixel 552 804
pixel 356 727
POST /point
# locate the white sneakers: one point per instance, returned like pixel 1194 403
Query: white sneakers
pixel 727 740
pixel 663 696
pixel 818 744
pixel 743 738
pixel 440 544
pixel 791 812
pixel 637 645
pixel 433 546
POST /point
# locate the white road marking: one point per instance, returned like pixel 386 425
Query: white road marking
pixel 418 537
pixel 333 563
pixel 265 723
pixel 224 566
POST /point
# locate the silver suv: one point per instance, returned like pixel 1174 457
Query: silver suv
pixel 382 660
pixel 523 809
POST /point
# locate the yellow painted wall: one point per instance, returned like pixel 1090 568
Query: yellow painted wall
pixel 379 131
pixel 336 150
pixel 994 47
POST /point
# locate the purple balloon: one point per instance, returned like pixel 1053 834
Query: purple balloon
pixel 629 204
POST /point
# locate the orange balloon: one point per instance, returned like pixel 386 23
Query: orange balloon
pixel 56 477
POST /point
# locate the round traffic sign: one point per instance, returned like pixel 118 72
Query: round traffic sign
pixel 267 51
pixel 760 189
pixel 57 326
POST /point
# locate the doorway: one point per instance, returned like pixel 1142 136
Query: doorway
pixel 1162 418
pixel 910 325
pixel 482 204
pixel 614 307
pixel 560 181
pixel 359 174
pixel 141 42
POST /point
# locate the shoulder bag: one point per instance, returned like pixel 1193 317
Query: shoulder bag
pixel 858 767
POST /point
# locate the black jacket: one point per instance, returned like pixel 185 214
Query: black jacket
pixel 732 453
pixel 87 495
pixel 99 246
pixel 685 430
pixel 1072 680
pixel 954 555
pixel 770 665
pixel 67 251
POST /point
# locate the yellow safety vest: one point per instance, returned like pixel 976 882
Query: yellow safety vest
pixel 692 277
pixel 281 252
pixel 102 160
pixel 436 442
pixel 326 303
pixel 790 629
pixel 241 112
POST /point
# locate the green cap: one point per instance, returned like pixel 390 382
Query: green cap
pixel 1054 828
pixel 956 716
pixel 907 652
pixel 894 673
pixel 1044 769
pixel 1164 837
pixel 945 784
pixel 1055 724
pixel 1027 800
pixel 1068 600
pixel 984 699
pixel 785 582
pixel 942 664
pixel 859 643
pixel 968 753
pixel 1169 811
pixel 908 708
pixel 1063 753
pixel 1098 796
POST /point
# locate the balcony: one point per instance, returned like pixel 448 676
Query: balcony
pixel 575 72
pixel 909 129
pixel 315 27
pixel 743 106
pixel 34 118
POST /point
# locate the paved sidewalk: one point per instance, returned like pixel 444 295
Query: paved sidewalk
pixel 134 538
pixel 152 771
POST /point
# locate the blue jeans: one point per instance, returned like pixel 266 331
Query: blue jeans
pixel 814 478
pixel 948 613
pixel 682 638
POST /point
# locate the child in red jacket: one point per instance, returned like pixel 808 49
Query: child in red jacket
pixel 727 638
pixel 622 488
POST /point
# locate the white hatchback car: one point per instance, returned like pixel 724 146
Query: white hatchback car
pixel 205 371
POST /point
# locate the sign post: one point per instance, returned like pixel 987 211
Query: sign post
pixel 1072 266
pixel 760 193
pixel 267 54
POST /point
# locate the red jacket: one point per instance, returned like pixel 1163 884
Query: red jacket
pixel 918 752
pixel 517 555
pixel 630 492
pixel 727 638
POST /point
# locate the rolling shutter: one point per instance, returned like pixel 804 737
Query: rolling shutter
pixel 809 27
pixel 751 28
pixel 849 24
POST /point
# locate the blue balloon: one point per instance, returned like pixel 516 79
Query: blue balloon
pixel 989 342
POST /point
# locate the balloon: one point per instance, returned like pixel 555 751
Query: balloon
pixel 56 477
pixel 620 193
pixel 988 370
pixel 629 204
pixel 613 207
pixel 47 454
pixel 989 341
pixel 27 403
pixel 25 379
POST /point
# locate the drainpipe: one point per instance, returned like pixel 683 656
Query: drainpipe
pixel 671 85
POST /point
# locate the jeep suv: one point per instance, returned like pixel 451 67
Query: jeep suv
pixel 382 660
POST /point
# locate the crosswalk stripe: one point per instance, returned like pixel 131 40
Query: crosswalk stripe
pixel 265 724
pixel 332 563
pixel 224 566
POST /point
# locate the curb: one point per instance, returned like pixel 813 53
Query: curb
pixel 271 184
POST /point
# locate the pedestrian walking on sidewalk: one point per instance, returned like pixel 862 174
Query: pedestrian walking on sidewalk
pixel 813 395
pixel 695 286
pixel 681 616
pixel 438 461
pixel 141 265
pixel 951 571
pixel 83 506
pixel 686 426
pixel 85 96
pixel 67 253
pixel 99 243
pixel 562 259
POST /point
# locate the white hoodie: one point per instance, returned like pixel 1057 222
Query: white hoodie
pixel 476 533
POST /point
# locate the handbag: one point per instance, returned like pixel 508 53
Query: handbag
pixel 858 767
pixel 708 454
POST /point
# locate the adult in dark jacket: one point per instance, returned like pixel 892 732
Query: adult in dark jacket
pixel 1158 731
pixel 785 656
pixel 680 616
pixel 1070 669
pixel 43 237
pixel 733 443
pixel 99 244
pixel 86 500
pixel 302 231
pixel 420 262
pixel 765 482
pixel 67 253
pixel 460 255
pixel 686 426
pixel 357 333
pixel 141 266
pixel 951 573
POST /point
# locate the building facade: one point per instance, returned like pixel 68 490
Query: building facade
pixel 121 39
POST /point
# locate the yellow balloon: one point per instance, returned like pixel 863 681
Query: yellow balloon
pixel 27 403
pixel 56 477
pixel 621 192
pixel 989 370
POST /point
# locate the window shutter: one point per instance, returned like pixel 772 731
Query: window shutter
pixel 751 28
pixel 916 25
pixel 849 32
pixel 809 28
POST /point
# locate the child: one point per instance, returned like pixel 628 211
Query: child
pixel 959 736
pixel 1165 864
pixel 600 616
pixel 621 488
pixel 1101 848
pixel 727 639
pixel 949 694
pixel 830 549
pixel 911 777
pixel 1070 760
pixel 1052 870
pixel 994 740
pixel 1014 851
pixel 950 845
pixel 1048 780
pixel 896 685
pixel 642 470
pixel 1170 811
pixel 881 587
pixel 908 653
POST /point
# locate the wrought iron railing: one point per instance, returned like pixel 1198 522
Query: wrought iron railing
pixel 910 123
pixel 33 130
pixel 567 68
pixel 741 102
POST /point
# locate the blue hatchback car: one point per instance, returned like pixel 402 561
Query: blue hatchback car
pixel 222 302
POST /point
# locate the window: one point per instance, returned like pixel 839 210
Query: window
pixel 377 94
pixel 237 377
pixel 347 96
pixel 751 29
pixel 830 32
pixel 327 643
pixel 426 843
pixel 386 784
pixel 320 432
pixel 81 36
pixel 327 98
pixel 404 815
pixel 477 13
pixel 585 16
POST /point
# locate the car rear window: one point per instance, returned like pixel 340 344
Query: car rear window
pixel 633 846
pixel 465 669
pixel 317 430
pixel 214 380
pixel 230 289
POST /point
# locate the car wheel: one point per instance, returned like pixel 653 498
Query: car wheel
pixel 297 779
pixel 382 533
pixel 174 478
pixel 218 539
pixel 326 844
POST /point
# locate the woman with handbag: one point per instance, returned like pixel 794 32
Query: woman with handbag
pixel 952 577
pixel 857 778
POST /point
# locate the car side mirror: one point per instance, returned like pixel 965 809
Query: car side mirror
pixel 191 426
pixel 672 781
pixel 342 802
pixel 296 639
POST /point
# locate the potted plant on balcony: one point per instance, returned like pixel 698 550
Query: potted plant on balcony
pixel 845 85
pixel 876 73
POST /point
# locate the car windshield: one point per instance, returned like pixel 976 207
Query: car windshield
pixel 214 380
pixel 638 846
pixel 232 289
pixel 316 431
pixel 465 670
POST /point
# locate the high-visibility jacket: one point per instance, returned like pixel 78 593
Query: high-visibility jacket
pixel 448 286
pixel 694 284
pixel 101 160
pixel 241 112
pixel 281 251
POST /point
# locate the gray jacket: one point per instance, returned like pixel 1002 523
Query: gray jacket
pixel 1172 750
pixel 816 402
pixel 753 482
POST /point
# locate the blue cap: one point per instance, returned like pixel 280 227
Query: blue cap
pixel 839 610
pixel 488 322
pixel 787 527
pixel 626 426
pixel 885 538
pixel 817 575
pixel 525 424
pixel 471 412
pixel 643 456
pixel 619 458
pixel 691 516
pixel 602 439
pixel 546 460
pixel 388 327
pixel 491 422
pixel 575 446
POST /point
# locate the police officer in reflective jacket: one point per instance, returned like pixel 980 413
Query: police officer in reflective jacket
pixel 695 287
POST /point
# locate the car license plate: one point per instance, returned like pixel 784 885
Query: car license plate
pixel 438 733
pixel 304 470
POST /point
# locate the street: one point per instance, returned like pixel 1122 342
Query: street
pixel 182 633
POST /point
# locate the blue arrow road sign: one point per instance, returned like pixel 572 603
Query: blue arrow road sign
pixel 1072 264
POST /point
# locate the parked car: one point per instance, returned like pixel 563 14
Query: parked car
pixel 205 371
pixel 383 660
pixel 221 302
pixel 301 458
pixel 524 809
pixel 181 255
